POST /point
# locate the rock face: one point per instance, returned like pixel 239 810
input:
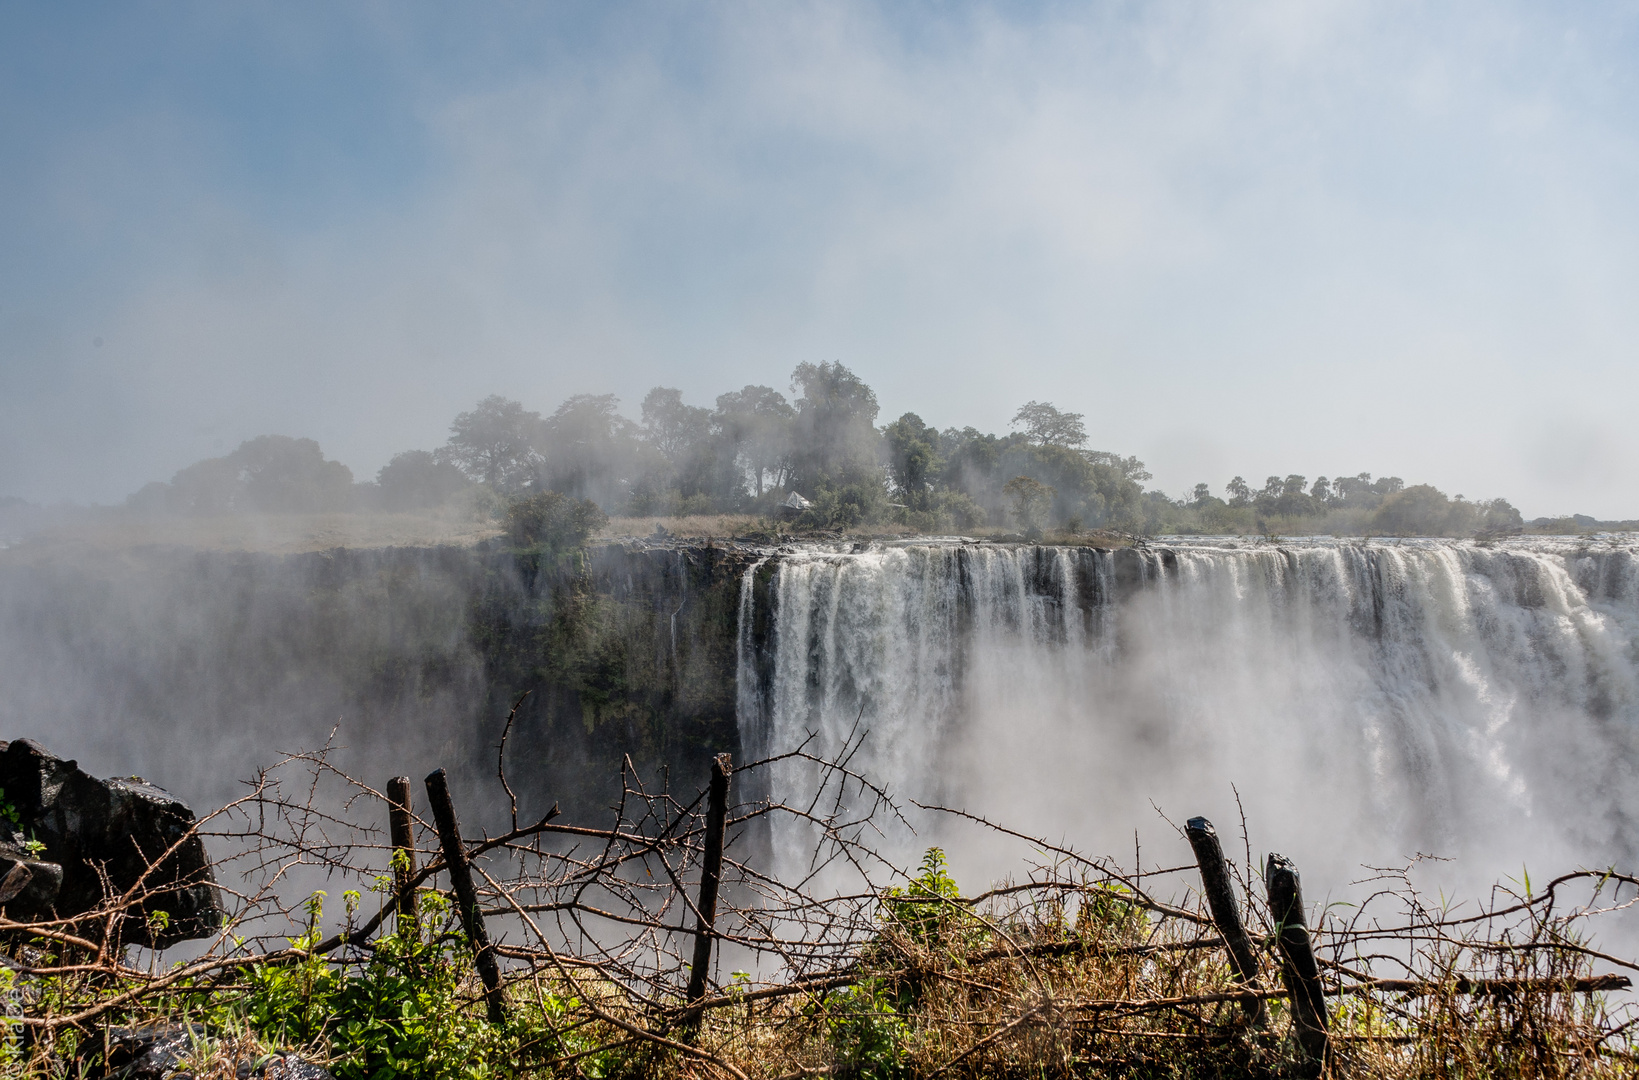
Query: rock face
pixel 91 828
pixel 422 653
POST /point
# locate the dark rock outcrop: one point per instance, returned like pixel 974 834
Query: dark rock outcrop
pixel 95 837
pixel 28 887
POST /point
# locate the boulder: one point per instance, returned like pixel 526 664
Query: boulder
pixel 152 1052
pixel 91 829
pixel 28 887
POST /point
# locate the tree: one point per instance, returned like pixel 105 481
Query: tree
pixel 1128 468
pixel 1200 495
pixel 756 424
pixel 674 429
pixel 285 474
pixel 270 473
pixel 1419 510
pixel 835 434
pixel 970 458
pixel 1293 501
pixel 494 443
pixel 417 479
pixel 212 486
pixel 1354 492
pixel 552 521
pixel 588 450
pixel 1031 498
pixel 1499 516
pixel 1045 425
pixel 1238 491
pixel 913 457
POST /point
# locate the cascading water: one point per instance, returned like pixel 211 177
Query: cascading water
pixel 1368 700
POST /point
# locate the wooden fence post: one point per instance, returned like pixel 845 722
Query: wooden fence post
pixel 1226 914
pixel 1298 968
pixel 402 827
pixel 711 876
pixel 460 871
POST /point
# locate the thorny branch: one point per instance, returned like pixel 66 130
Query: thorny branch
pixel 1064 962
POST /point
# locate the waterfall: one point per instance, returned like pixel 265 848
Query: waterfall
pixel 1368 700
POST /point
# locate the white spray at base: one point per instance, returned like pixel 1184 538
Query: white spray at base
pixel 1368 700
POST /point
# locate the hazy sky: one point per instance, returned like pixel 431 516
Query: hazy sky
pixel 1242 238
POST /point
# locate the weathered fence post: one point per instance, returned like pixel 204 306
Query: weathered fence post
pixel 711 876
pixel 460 871
pixel 1226 914
pixel 1298 968
pixel 401 824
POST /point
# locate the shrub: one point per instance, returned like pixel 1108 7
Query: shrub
pixel 407 1011
pixel 843 506
pixel 923 907
pixel 552 521
pixel 867 1032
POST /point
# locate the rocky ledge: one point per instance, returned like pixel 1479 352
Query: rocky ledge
pixel 71 844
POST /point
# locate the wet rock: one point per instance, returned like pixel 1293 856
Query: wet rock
pixel 285 1067
pixel 158 1052
pixel 140 1053
pixel 90 827
pixel 28 887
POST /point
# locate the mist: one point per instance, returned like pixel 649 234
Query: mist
pixel 1351 705
pixel 1270 235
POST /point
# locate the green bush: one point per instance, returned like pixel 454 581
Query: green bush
pixel 923 908
pixel 407 1011
pixel 551 521
pixel 867 1032
pixel 956 510
pixel 846 505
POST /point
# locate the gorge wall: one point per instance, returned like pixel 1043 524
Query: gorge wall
pixel 195 667
pixel 1360 701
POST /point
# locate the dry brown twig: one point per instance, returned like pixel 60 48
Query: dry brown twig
pixel 608 913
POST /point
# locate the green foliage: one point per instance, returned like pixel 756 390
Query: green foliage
pixel 552 522
pixel 945 511
pixel 755 448
pixel 589 450
pixel 834 439
pixel 924 908
pixel 857 498
pixel 912 449
pixel 1422 510
pixel 1045 425
pixel 753 428
pixel 494 444
pixel 867 1032
pixel 8 809
pixel 268 474
pixel 416 479
pixel 1031 500
pixel 1347 505
pixel 406 1011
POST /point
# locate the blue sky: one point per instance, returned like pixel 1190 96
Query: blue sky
pixel 1243 238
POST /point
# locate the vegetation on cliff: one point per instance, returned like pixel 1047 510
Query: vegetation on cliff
pixel 756 449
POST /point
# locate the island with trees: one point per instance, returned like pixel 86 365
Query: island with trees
pixel 814 459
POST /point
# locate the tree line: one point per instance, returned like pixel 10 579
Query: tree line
pixel 818 457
